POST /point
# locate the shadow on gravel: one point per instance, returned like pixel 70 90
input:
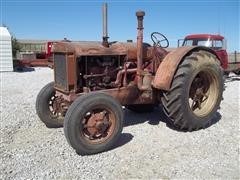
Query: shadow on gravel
pixel 157 116
pixel 154 118
pixel 124 139
pixel 23 69
pixel 216 118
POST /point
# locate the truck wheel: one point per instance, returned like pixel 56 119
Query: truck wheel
pixel 196 92
pixel 46 107
pixel 141 108
pixel 237 72
pixel 93 123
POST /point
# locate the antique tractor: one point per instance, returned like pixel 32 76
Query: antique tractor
pixel 93 80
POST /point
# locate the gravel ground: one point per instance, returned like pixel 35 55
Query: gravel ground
pixel 147 147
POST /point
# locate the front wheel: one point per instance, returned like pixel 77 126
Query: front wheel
pixel 196 92
pixel 49 107
pixel 93 123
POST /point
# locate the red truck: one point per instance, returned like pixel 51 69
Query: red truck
pixel 43 59
pixel 218 44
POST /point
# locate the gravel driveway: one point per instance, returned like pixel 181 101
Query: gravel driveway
pixel 147 147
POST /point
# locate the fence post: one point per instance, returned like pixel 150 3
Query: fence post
pixel 235 56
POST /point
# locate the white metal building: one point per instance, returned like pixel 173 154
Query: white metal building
pixel 6 60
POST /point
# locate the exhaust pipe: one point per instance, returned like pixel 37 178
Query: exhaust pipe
pixel 105 33
pixel 140 73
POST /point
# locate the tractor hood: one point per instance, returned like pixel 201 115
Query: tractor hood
pixel 89 48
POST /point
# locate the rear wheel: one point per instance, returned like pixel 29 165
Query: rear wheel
pixel 196 92
pixel 93 123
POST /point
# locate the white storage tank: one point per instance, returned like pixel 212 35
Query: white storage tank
pixel 6 59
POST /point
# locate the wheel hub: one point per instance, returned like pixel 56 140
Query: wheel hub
pixel 57 106
pixel 97 124
pixel 199 98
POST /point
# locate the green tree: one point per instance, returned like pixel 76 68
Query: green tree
pixel 15 46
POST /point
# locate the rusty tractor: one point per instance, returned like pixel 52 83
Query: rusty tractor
pixel 93 80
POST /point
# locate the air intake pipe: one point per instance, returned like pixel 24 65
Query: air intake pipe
pixel 105 33
pixel 140 72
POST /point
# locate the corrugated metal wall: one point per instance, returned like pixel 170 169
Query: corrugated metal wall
pixel 6 60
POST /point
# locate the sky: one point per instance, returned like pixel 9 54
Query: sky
pixel 82 20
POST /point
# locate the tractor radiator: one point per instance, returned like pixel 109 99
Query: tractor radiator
pixel 60 71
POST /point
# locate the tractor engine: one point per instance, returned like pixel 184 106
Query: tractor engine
pixel 81 67
pixel 98 72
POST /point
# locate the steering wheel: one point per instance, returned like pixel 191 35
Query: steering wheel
pixel 158 38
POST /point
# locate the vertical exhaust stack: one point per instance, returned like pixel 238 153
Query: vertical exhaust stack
pixel 140 15
pixel 105 33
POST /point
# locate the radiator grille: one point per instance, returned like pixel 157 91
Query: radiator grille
pixel 60 70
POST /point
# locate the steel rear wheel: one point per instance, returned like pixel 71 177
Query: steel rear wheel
pixel 203 93
pixel 93 123
pixel 196 92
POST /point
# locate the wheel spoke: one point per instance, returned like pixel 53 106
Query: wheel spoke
pixel 192 106
pixel 206 97
pixel 195 104
pixel 88 126
pixel 198 98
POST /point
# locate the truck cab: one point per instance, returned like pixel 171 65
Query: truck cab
pixel 215 42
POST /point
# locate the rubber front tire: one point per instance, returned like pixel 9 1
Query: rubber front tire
pixel 42 107
pixel 176 101
pixel 76 116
